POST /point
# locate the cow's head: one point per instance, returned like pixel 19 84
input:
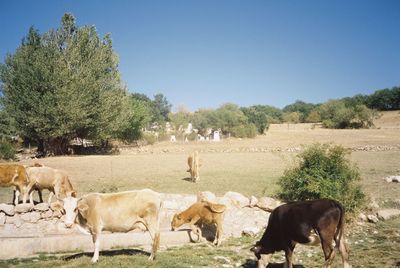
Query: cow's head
pixel 260 253
pixel 69 207
pixel 177 221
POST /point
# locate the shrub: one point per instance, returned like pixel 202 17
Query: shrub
pixel 7 150
pixel 244 131
pixel 323 172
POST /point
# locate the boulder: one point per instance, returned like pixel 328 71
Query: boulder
pixel 47 214
pixel 392 179
pixel 23 208
pixel 7 209
pixel 251 231
pixel 16 220
pixel 362 217
pixel 268 203
pixel 386 214
pixel 206 196
pixel 2 218
pixel 31 217
pixel 237 199
pixel 253 201
pixel 372 218
pixel 41 207
pixel 170 204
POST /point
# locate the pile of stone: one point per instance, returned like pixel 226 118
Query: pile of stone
pixel 27 220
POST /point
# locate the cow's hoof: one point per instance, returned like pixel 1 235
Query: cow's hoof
pixel 94 260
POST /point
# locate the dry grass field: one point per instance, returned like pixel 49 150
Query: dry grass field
pixel 248 166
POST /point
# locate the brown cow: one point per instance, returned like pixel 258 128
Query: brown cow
pixel 54 180
pixel 115 212
pixel 193 162
pixel 295 222
pixel 15 175
pixel 200 213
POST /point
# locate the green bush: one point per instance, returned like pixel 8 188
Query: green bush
pixel 244 131
pixel 7 150
pixel 323 172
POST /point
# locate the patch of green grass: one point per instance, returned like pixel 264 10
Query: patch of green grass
pixel 369 246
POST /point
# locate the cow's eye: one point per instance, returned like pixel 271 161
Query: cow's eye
pixel 76 210
pixel 63 211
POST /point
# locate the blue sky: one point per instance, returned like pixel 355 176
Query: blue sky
pixel 202 54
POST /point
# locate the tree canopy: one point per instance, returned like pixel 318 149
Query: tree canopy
pixel 63 84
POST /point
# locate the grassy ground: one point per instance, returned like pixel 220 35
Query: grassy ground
pixel 235 165
pixel 369 247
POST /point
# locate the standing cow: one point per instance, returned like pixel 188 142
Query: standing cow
pixel 294 222
pixel 54 180
pixel 194 165
pixel 15 175
pixel 115 212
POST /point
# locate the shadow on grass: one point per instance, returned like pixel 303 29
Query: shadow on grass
pixel 253 264
pixel 115 252
pixel 187 179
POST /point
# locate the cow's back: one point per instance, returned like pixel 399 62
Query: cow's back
pixel 119 211
pixel 12 174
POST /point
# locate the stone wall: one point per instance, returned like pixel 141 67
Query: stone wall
pixel 26 226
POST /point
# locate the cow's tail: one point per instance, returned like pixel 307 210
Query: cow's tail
pixel 340 228
pixel 217 208
pixel 156 239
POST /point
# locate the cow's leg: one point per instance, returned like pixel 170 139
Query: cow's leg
pixel 155 236
pixel 343 252
pixel 196 229
pixel 218 234
pixel 264 260
pixel 326 237
pixel 96 243
pixel 17 193
pixel 289 257
pixel 40 196
pixel 26 192
pixel 50 196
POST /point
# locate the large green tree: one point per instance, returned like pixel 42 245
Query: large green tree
pixel 65 84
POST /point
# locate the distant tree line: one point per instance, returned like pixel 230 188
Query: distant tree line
pixel 65 84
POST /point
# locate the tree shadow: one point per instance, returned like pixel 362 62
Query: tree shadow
pixel 110 253
pixel 253 264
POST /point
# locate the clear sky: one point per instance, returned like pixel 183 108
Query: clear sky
pixel 202 54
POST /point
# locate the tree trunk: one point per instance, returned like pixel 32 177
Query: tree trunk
pixel 56 146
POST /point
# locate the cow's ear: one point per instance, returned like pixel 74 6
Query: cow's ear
pixel 82 207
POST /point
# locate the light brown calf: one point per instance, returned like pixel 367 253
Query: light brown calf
pixel 15 175
pixel 194 165
pixel 200 213
pixel 54 180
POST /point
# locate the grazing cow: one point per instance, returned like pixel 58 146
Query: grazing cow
pixel 294 222
pixel 15 175
pixel 115 212
pixel 200 213
pixel 194 165
pixel 54 180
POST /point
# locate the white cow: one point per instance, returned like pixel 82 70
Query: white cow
pixel 115 212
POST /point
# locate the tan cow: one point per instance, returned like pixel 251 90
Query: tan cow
pixel 54 180
pixel 200 213
pixel 15 175
pixel 193 162
pixel 115 212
